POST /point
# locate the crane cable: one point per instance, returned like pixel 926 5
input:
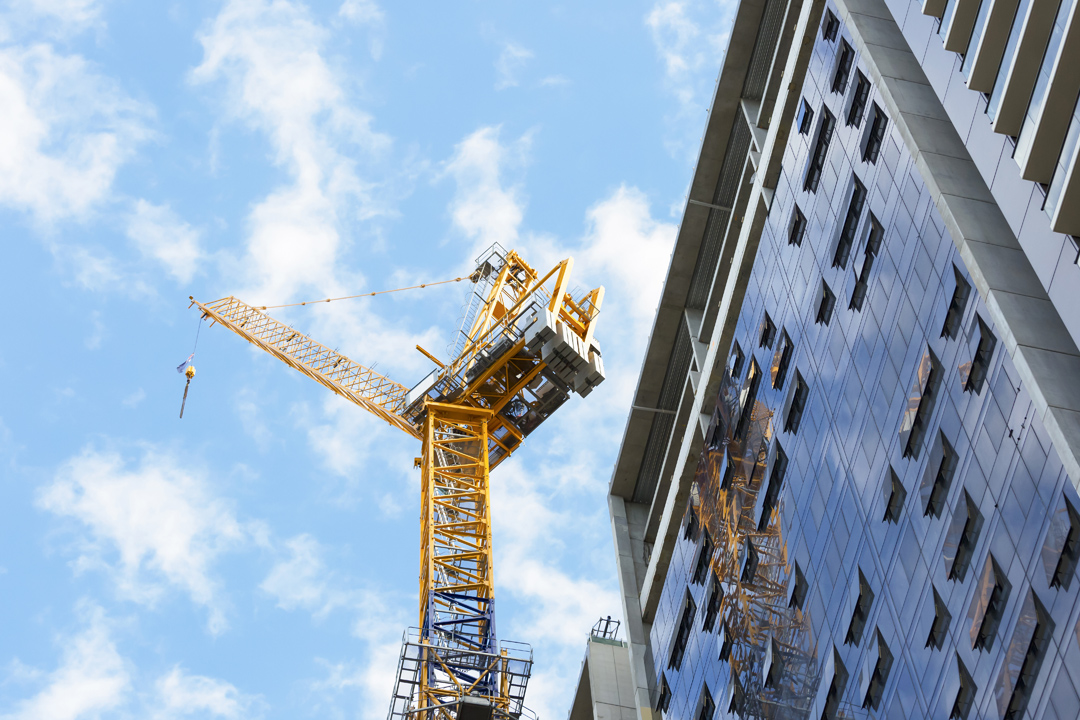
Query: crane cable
pixel 350 297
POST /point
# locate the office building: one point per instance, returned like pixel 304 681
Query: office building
pixel 848 482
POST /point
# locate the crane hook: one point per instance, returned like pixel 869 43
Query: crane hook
pixel 189 373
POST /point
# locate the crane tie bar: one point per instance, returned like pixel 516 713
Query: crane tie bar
pixel 350 297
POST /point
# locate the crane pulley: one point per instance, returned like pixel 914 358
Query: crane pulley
pixel 524 346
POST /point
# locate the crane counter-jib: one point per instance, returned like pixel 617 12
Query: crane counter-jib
pixel 528 345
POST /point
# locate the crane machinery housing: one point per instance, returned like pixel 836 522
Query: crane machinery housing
pixel 525 344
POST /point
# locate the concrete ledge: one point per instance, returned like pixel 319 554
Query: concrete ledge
pixel 899 64
pixel 933 135
pixel 952 176
pixel 1005 269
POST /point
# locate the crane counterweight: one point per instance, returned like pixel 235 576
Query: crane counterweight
pixel 524 346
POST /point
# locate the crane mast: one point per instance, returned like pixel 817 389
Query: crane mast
pixel 524 345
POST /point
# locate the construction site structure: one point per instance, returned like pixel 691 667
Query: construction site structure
pixel 525 344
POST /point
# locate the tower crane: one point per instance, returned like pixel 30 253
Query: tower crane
pixel 525 344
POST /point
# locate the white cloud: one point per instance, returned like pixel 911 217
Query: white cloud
pixel 512 59
pixel 691 37
pixel 90 268
pixel 93 341
pixel 630 250
pixel 345 439
pixel 483 208
pixel 64 133
pixel 162 236
pixel 183 695
pixel 270 58
pixel 270 61
pixel 555 81
pixel 59 17
pixel 135 399
pixel 301 580
pixel 367 13
pixel 151 525
pixel 362 11
pixel 91 679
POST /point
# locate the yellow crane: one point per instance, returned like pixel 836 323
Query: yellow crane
pixel 525 344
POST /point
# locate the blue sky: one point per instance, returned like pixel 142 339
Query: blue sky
pixel 258 558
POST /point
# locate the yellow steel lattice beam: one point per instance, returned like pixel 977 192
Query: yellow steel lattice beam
pixel 375 393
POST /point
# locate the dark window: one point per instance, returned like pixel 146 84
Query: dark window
pixel 992 605
pixel 716 431
pixel 825 305
pixel 821 150
pixel 858 102
pixel 956 306
pixel 875 136
pixel 704 558
pixel 690 531
pixel 920 404
pixel 749 563
pixel 880 676
pixel 1033 659
pixel 895 496
pixel 708 707
pixel 729 475
pixel 768 332
pixel 724 641
pixel 804 118
pixel 781 360
pixel 798 403
pixel 836 688
pixel 829 26
pixel 736 361
pixel 981 362
pixel 972 521
pixel 738 697
pixel 748 399
pixel 862 282
pixel 861 613
pixel 939 629
pixel 798 588
pixel 851 224
pixel 798 227
pixel 664 697
pixel 712 607
pixel 965 696
pixel 772 490
pixel 1070 551
pixel 773 667
pixel 678 648
pixel 935 491
pixel 843 67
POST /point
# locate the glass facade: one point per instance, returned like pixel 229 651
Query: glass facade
pixel 889 530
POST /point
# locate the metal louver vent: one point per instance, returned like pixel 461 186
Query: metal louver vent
pixel 660 433
pixel 761 61
pixel 716 227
